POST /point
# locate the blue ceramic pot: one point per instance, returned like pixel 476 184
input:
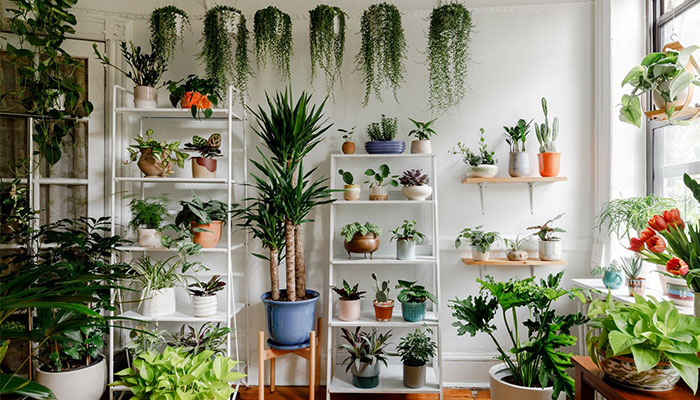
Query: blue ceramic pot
pixel 289 323
pixel 413 312
pixel 612 279
pixel 385 147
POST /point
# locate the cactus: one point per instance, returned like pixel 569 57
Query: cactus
pixel 382 291
pixel 546 135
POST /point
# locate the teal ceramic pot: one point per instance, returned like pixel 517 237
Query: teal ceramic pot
pixel 367 377
pixel 612 279
pixel 413 312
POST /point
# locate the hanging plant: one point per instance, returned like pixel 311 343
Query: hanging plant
pixel 224 28
pixel 273 38
pixel 383 50
pixel 167 27
pixel 326 44
pixel 448 55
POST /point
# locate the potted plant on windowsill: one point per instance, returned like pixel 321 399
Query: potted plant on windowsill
pixel 351 190
pixel 204 166
pixel 423 131
pixel 156 159
pixel 383 305
pixel 147 217
pixel 480 241
pixel 157 280
pixel 632 267
pixel 416 185
pixel 548 158
pixel 348 146
pixel 349 304
pixel 416 349
pixel 204 220
pixel 515 248
pixel 518 158
pixel 196 94
pixel 414 299
pixel 549 245
pixel 382 137
pixel 365 352
pixel 611 274
pixel 406 240
pixel 204 300
pixel 361 238
pixel 482 165
pixel 377 188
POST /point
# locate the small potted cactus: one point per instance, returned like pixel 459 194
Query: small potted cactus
pixel 204 300
pixel 378 181
pixel 548 158
pixel 416 185
pixel 204 166
pixel 423 131
pixel 348 145
pixel 383 305
pixel 352 191
pixel 515 248
pixel 349 304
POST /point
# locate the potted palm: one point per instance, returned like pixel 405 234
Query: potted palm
pixel 423 131
pixel 413 300
pixel 196 94
pixel 382 137
pixel 383 305
pixel 204 166
pixel 365 352
pixel 416 349
pixel 158 280
pixel 349 304
pixel 147 217
pixel 378 180
pixel 527 372
pixel 407 237
pixel 481 241
pixel 361 238
pixel 611 274
pixel 518 158
pixel 351 191
pixel 481 165
pixel 204 300
pixel 204 219
pixel 348 146
pixel 549 245
pixel 548 158
pixel 156 159
pixel 515 248
pixel 416 185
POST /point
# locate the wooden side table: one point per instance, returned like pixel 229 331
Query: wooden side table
pixel 589 380
pixel 311 353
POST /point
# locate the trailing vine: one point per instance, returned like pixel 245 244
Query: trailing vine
pixel 165 32
pixel 325 44
pixel 448 55
pixel 383 50
pixel 273 38
pixel 222 65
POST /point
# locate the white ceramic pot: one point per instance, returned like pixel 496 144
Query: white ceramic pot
pixel 479 256
pixel 149 238
pixel 204 306
pixel 516 255
pixel 405 250
pixel 418 193
pixel 659 101
pixel 378 193
pixel 501 390
pixel 550 250
pixel 352 192
pixel 349 310
pixel 157 303
pixel 86 383
pixel 203 168
pixel 145 97
pixel 482 171
pixel 421 147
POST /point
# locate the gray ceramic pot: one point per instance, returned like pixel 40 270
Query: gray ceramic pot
pixel 518 164
pixel 414 377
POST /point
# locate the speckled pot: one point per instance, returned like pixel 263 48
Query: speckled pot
pixel 623 371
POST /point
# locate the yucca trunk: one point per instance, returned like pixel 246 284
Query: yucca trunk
pixel 299 262
pixel 290 258
pixel 274 275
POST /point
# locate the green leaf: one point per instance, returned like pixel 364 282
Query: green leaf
pixel 679 84
pixel 652 58
pixel 645 358
pixel 684 56
pixel 631 110
pixel 633 75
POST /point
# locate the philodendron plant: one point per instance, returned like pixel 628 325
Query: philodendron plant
pixel 478 238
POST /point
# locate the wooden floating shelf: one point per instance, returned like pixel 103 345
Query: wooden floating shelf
pixel 506 262
pixel 525 179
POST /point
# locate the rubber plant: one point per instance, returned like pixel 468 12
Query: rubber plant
pixel 449 38
pixel 167 27
pixel 383 50
pixel 326 44
pixel 224 28
pixel 273 38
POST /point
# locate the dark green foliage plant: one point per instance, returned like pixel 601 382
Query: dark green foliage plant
pixel 411 292
pixel 383 50
pixel 207 148
pixel 209 288
pixel 164 30
pixel 423 130
pixel 327 46
pixel 347 176
pixel 348 292
pixel 208 337
pixel 384 130
pixel 381 176
pixel 407 231
pixel 144 69
pixel 517 135
pixel 273 38
pixel 200 212
pixel 148 213
pixel 204 86
pixel 364 347
pixel 478 238
pixel 417 348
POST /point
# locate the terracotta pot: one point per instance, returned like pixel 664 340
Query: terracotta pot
pixel 349 310
pixel 145 97
pixel 149 238
pixel 414 377
pixel 501 390
pixel 352 192
pixel 151 167
pixel 636 286
pixel 362 244
pixel 209 238
pixel 417 193
pixel 203 167
pixel 85 383
pixel 549 163
pixel 348 147
pixel 383 311
pixel 517 255
pixel 421 147
pixel 623 370
pixel 378 193
pixel 204 306
pixel 482 171
pixel 197 99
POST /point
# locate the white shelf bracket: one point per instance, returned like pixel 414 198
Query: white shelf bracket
pixel 531 190
pixel 482 191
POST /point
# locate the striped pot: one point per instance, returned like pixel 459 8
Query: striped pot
pixel 679 292
pixel 623 371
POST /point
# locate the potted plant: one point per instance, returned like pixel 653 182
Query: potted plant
pixel 365 350
pixel 204 166
pixel 416 185
pixel 515 248
pixel 406 240
pixel 145 70
pixel 413 300
pixel 348 146
pixel 646 345
pixel 204 300
pixel 167 28
pixel 548 158
pixel 273 38
pixel 349 304
pixel 204 220
pixel 611 274
pixel 527 371
pixel 549 245
pixel 156 159
pixel 382 137
pixel 518 158
pixel 159 375
pixel 482 165
pixel 351 190
pixel 383 305
pixel 147 217
pixel 327 43
pixel 196 94
pixel 361 238
pixel 633 268
pixel 208 337
pixel 377 188
pixel 416 349
pixel 480 241
pixel 157 280
pixel 423 131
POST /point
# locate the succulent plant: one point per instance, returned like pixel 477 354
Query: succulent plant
pixel 414 177
pixel 207 148
pixel 381 290
pixel 383 131
pixel 546 135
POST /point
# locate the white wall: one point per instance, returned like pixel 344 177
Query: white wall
pixel 521 52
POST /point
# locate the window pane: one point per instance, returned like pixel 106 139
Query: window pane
pixel 677 144
pixel 74 156
pixel 675 189
pixel 62 201
pixel 686 25
pixel 13 136
pixel 671 4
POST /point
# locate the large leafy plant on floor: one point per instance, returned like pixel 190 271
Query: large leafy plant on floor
pixel 325 44
pixel 273 38
pixel 534 358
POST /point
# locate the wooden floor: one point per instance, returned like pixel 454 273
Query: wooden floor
pixel 301 393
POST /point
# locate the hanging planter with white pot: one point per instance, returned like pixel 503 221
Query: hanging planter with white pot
pixel 416 185
pixel 204 300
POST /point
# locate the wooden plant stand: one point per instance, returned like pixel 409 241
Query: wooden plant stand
pixel 311 353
